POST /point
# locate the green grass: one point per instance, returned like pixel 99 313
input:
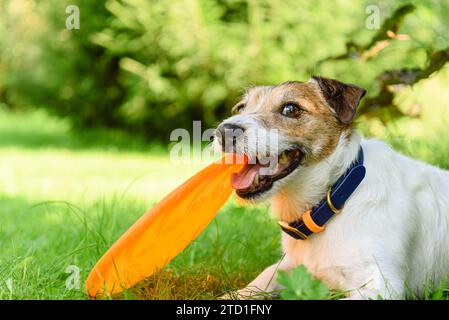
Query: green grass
pixel 66 197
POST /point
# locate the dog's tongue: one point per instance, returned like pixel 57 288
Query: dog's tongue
pixel 244 178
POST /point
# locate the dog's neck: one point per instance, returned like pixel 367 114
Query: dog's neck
pixel 309 184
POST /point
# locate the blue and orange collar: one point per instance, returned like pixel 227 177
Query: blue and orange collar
pixel 313 220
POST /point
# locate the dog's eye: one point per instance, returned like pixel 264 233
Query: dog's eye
pixel 291 110
pixel 238 108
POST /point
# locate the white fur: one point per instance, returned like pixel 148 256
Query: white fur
pixel 392 236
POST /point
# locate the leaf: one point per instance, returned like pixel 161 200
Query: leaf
pixel 300 285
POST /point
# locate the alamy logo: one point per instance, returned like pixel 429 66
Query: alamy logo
pixel 262 146
pixel 73 19
pixel 372 22
pixel 73 280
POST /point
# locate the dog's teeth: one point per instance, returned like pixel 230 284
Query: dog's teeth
pixel 256 180
pixel 283 159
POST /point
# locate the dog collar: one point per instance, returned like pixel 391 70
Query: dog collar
pixel 313 220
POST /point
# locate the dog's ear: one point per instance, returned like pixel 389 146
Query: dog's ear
pixel 343 98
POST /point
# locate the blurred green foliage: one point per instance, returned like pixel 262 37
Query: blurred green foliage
pixel 151 66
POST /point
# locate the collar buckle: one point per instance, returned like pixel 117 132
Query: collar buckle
pixel 288 228
pixel 329 202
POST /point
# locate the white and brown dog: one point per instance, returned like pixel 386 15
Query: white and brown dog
pixel 391 236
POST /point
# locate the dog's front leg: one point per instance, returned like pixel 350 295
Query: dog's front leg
pixel 263 287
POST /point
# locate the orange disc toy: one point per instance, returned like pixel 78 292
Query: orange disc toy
pixel 164 231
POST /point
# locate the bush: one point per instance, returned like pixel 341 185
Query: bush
pixel 151 66
pixel 62 70
pixel 190 60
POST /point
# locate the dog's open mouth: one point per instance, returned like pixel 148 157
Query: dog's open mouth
pixel 250 182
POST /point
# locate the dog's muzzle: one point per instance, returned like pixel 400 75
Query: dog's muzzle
pixel 228 134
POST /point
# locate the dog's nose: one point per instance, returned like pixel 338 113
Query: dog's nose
pixel 229 133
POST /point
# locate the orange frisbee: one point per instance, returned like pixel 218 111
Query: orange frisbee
pixel 164 231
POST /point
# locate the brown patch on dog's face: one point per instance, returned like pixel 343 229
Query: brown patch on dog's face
pixel 304 113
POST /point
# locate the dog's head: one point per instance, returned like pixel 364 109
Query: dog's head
pixel 286 127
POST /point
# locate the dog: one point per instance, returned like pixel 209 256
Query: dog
pixel 389 239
